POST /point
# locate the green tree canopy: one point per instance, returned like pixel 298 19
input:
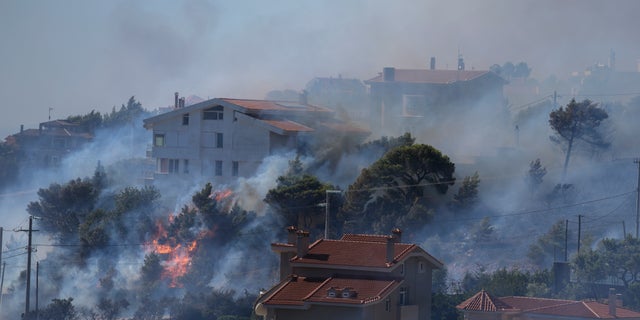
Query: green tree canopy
pixel 578 122
pixel 394 191
pixel 299 197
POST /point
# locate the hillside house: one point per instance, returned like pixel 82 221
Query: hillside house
pixel 46 146
pixel 402 99
pixel 484 306
pixel 356 277
pixel 222 139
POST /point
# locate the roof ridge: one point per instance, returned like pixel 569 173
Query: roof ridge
pixel 316 289
pixel 566 303
pixel 591 310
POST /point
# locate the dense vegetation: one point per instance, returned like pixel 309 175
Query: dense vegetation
pixel 96 225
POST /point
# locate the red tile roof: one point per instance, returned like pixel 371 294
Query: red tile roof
pixel 353 253
pixel 288 125
pixel 267 105
pixel 297 291
pixel 432 76
pixel 483 301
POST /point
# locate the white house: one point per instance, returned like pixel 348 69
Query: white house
pixel 222 139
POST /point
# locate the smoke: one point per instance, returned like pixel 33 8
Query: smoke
pixel 246 50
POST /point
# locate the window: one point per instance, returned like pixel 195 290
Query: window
pixel 163 165
pixel 219 140
pixel 174 165
pixel 218 168
pixel 402 268
pixel 421 267
pixel 213 113
pixel 234 168
pixel 413 105
pixel 158 140
pixel 185 119
pixel 403 296
pixel 186 165
pixel 387 305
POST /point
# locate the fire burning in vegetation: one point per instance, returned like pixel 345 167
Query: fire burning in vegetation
pixel 176 256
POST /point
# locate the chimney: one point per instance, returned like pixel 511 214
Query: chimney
pixel 397 235
pixel 432 64
pixel 390 249
pixel 175 103
pixel 612 302
pixel 181 102
pixel 303 243
pixel 21 128
pixel 389 74
pixel 291 234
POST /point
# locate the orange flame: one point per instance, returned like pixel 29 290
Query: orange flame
pixel 176 257
pixel 221 195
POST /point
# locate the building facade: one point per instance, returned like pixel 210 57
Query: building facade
pixel 406 98
pixel 222 139
pixel 46 146
pixel 355 277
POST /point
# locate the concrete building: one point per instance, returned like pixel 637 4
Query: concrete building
pixel 222 139
pixel 46 146
pixel 484 306
pixel 402 99
pixel 356 277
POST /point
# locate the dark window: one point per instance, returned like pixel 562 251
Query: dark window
pixel 219 140
pixel 403 296
pixel 174 165
pixel 185 119
pixel 234 169
pixel 213 113
pixel 387 305
pixel 218 168
pixel 186 165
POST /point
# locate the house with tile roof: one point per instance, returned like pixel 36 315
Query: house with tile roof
pixel 407 98
pixel 222 139
pixel 484 306
pixel 354 277
pixel 46 146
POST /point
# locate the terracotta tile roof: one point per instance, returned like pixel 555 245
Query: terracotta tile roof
pixel 568 308
pixel 297 291
pixel 344 127
pixel 288 125
pixel 483 301
pixel 432 76
pixel 267 105
pixel 352 253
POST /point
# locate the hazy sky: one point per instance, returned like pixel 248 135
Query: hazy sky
pixel 79 55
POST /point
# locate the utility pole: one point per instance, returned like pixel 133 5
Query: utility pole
pixel 579 230
pixel 566 238
pixel 37 286
pixel 26 309
pixel 29 251
pixel 4 266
